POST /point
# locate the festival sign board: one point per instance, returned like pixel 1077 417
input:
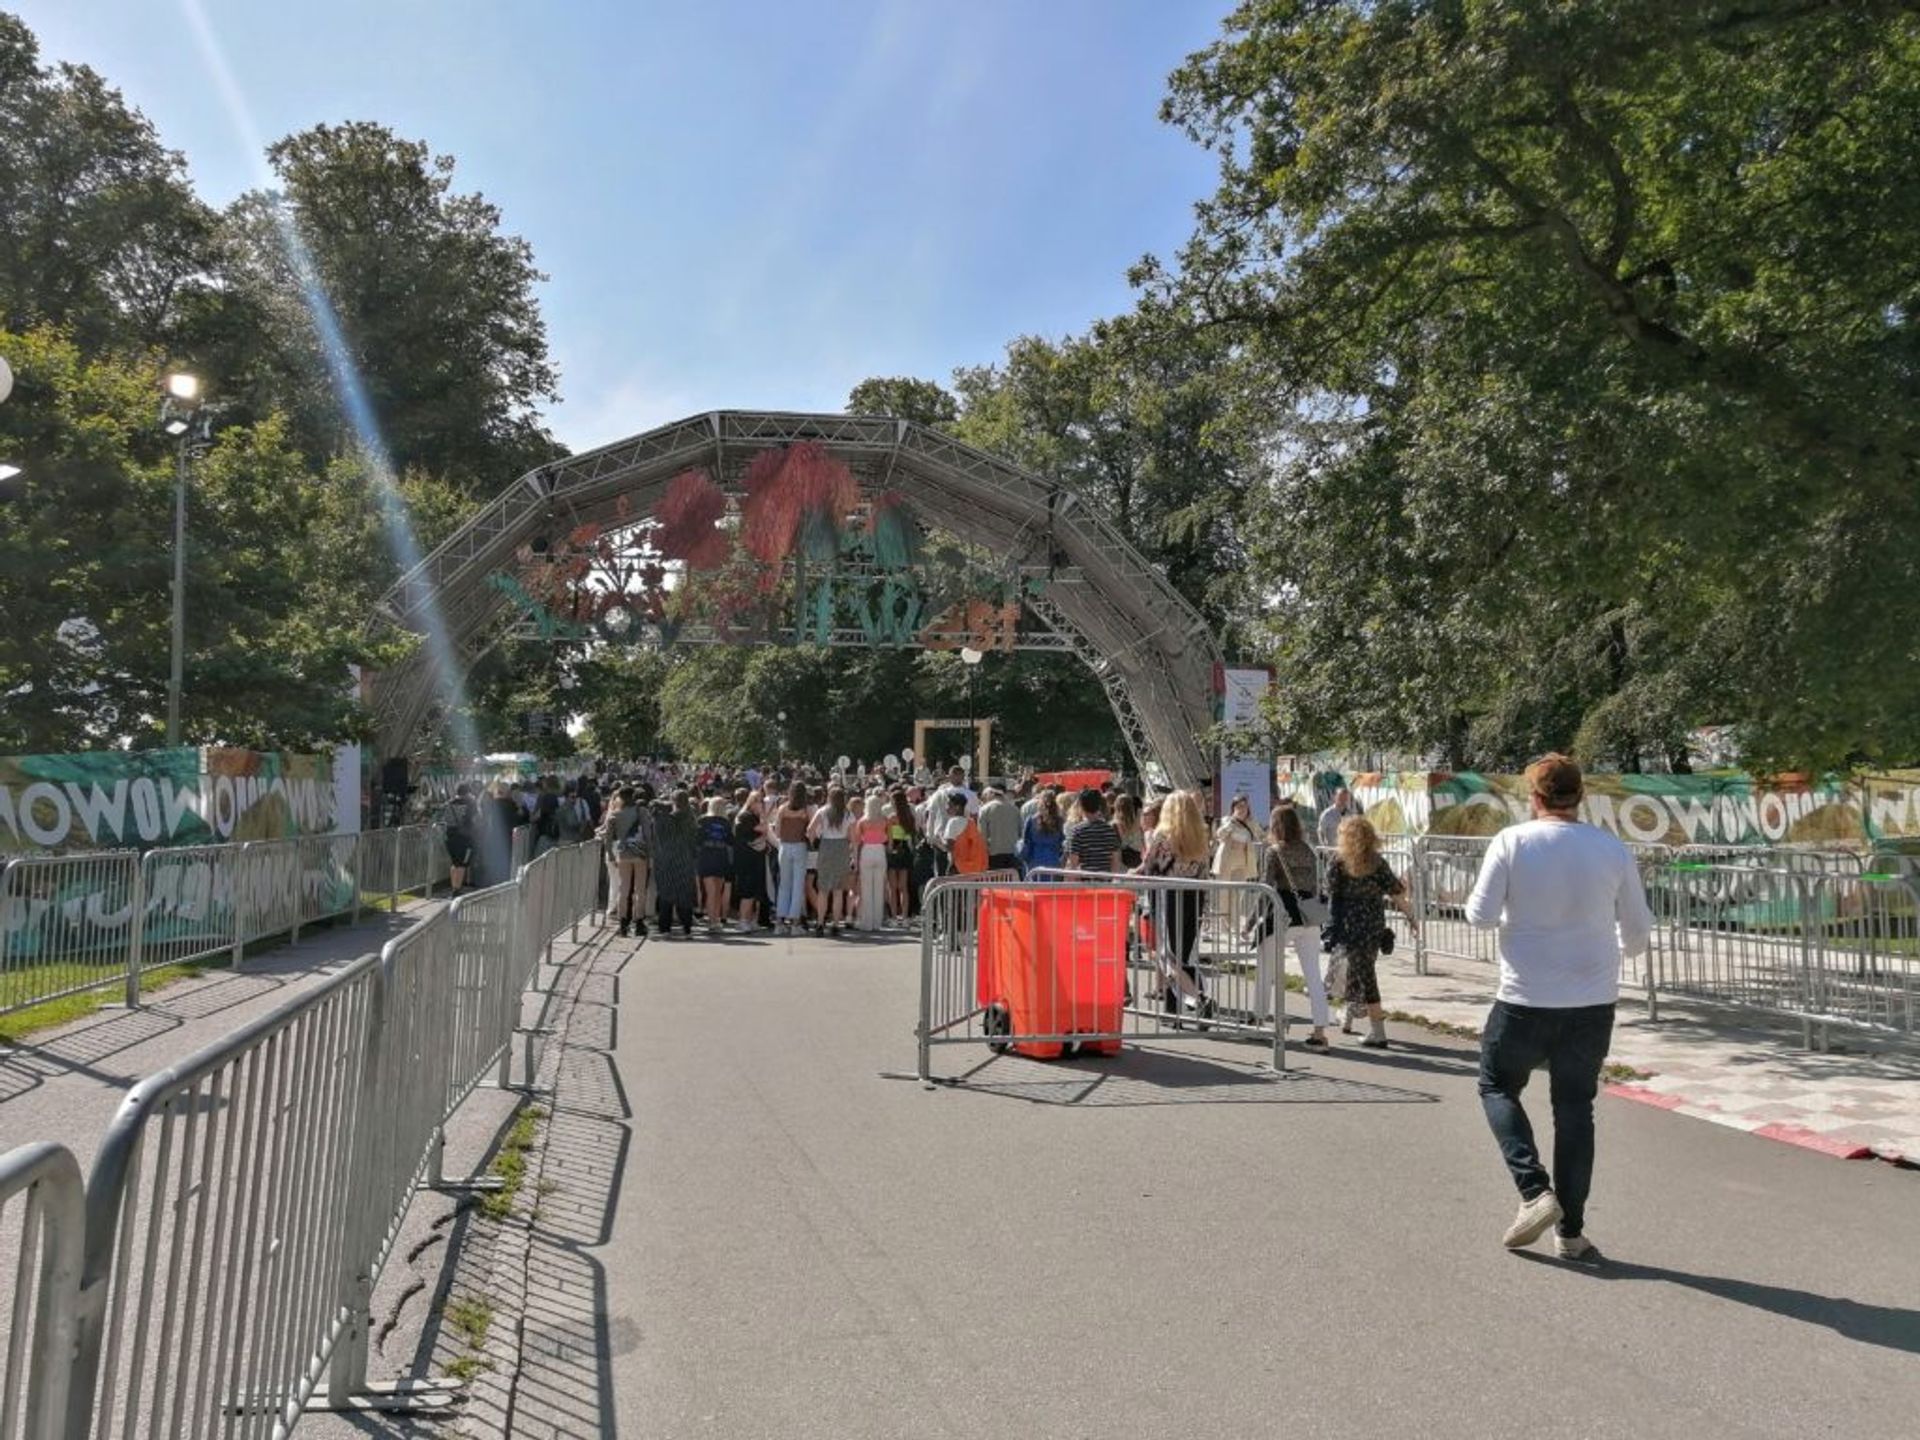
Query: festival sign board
pixel 114 799
pixel 1721 808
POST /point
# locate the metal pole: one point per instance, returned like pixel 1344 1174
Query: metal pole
pixel 174 683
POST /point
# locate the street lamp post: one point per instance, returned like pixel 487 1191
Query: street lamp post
pixel 182 418
pixel 971 658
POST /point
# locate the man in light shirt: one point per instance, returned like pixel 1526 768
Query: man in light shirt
pixel 1567 901
pixel 1331 817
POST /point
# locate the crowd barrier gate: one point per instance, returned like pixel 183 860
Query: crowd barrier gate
pixel 1140 958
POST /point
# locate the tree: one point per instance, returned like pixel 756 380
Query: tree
pixel 1131 418
pixel 1589 335
pixel 283 565
pixel 904 398
pixel 103 235
pixel 618 694
pixel 437 318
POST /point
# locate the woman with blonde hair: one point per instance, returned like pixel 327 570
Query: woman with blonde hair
pixel 1178 849
pixel 870 845
pixel 1360 885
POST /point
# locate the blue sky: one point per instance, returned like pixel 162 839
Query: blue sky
pixel 739 202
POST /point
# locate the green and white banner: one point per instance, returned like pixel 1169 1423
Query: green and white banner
pixel 1723 808
pixel 112 799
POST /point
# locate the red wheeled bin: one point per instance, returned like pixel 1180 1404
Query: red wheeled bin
pixel 1053 961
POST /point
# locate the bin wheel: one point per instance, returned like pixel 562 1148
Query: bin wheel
pixel 998 1021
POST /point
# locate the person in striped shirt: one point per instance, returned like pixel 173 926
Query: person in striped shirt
pixel 1092 843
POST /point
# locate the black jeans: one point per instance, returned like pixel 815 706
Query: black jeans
pixel 1573 1044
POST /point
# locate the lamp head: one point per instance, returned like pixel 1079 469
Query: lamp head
pixel 182 386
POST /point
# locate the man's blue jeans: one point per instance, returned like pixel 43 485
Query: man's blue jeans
pixel 1573 1045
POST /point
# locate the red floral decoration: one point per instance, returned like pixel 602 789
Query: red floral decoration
pixel 689 518
pixel 769 516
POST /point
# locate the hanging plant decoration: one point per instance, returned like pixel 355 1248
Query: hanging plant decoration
pixel 689 517
pixel 894 531
pixel 770 514
pixel 826 493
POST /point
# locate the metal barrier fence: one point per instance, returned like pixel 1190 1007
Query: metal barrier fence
pixel 1817 936
pixel 245 1199
pixel 68 922
pixel 46 1245
pixel 1087 961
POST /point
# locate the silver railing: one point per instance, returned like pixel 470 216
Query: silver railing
pixel 44 1234
pixel 1814 936
pixel 246 1198
pixel 102 920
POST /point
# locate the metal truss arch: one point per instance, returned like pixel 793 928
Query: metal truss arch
pixel 1154 655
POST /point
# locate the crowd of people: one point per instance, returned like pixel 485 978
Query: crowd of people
pixel 786 849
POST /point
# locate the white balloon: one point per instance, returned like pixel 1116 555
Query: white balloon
pixel 906 757
pixel 844 763
pixel 6 379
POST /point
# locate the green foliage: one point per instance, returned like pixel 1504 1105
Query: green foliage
pixel 103 236
pixel 617 692
pixel 1588 331
pixel 905 398
pixel 1132 418
pixel 436 307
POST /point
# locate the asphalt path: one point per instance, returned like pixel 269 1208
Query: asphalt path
pixel 767 1234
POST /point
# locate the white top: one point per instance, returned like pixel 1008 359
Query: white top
pixel 821 827
pixel 1567 900
pixel 938 800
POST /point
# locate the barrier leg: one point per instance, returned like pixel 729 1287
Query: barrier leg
pixel 393 881
pixel 136 934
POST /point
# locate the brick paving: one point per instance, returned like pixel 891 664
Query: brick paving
pixel 1854 1100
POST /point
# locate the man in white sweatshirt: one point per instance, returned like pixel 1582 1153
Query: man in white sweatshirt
pixel 1567 901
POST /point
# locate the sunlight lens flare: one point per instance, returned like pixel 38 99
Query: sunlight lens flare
pixel 396 521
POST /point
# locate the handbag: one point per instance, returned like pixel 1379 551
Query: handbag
pixel 1336 976
pixel 1386 942
pixel 1314 909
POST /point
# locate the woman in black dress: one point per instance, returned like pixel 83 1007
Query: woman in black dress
pixel 716 861
pixel 674 848
pixel 749 863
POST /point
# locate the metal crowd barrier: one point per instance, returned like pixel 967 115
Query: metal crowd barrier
pixel 1084 960
pixel 46 1241
pixel 67 922
pixel 1819 936
pixel 220 1275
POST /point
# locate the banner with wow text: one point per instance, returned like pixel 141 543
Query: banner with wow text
pixel 1725 808
pixel 110 799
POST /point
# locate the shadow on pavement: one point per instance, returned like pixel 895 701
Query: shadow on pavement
pixel 1139 1076
pixel 1884 1325
pixel 565 1384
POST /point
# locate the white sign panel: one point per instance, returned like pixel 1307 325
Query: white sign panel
pixel 1243 691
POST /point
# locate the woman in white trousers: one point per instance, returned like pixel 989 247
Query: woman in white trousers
pixel 870 838
pixel 1293 870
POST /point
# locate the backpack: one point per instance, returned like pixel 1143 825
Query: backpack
pixel 970 849
pixel 459 819
pixel 637 843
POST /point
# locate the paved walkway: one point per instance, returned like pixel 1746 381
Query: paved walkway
pixel 754 1229
pixel 65 1084
pixel 1856 1100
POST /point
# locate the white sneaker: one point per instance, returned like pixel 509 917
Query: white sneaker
pixel 1536 1217
pixel 1578 1249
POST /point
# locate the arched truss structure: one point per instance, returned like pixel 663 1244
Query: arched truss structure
pixel 1152 653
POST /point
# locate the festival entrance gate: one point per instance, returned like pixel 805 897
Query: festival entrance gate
pixel 825 529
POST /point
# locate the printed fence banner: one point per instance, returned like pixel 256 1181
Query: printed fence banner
pixel 1722 808
pixel 114 799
